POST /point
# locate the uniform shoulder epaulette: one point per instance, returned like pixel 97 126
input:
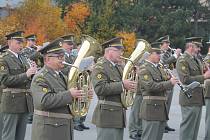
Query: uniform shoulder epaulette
pixel 4 54
pixel 98 66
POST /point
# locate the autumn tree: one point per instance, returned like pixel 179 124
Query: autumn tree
pixel 39 17
pixel 129 41
pixel 76 16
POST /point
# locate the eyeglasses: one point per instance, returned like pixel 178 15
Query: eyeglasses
pixel 117 50
pixel 60 57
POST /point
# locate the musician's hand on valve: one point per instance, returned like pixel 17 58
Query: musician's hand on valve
pixel 129 85
pixel 207 74
pixel 174 80
pixel 90 93
pixel 31 71
pixel 76 93
pixel 178 52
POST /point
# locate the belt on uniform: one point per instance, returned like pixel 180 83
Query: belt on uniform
pixel 109 103
pixel 155 98
pixel 52 114
pixel 16 90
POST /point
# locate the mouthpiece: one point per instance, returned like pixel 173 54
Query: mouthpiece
pixel 68 64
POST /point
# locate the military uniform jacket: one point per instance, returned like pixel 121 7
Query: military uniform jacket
pixel 50 94
pixel 13 76
pixel 190 69
pixel 107 83
pixel 153 85
pixel 207 81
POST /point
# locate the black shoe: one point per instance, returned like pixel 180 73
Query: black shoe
pixel 84 127
pixel 169 129
pixel 135 137
pixel 78 128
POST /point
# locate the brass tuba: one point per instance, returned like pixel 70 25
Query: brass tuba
pixel 81 79
pixel 130 72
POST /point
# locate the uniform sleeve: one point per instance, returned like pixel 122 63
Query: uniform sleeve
pixel 11 80
pixel 184 73
pixel 102 85
pixel 148 84
pixel 45 98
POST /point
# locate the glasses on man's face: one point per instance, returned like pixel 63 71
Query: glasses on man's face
pixel 60 57
pixel 118 50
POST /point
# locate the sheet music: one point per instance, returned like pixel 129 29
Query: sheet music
pixel 86 63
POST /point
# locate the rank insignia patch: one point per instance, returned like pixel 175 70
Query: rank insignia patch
pixel 99 76
pixel 45 90
pixel 183 67
pixel 2 68
pixel 146 77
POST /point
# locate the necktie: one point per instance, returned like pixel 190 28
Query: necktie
pixel 118 70
pixel 19 57
pixel 62 77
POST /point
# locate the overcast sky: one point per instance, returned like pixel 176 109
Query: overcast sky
pixel 11 2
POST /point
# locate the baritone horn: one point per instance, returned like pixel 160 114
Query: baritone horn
pixel 81 79
pixel 130 71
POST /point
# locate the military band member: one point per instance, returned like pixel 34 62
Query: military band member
pixel 28 51
pixel 52 117
pixel 2 50
pixel 168 59
pixel 68 45
pixel 30 46
pixel 15 75
pixel 153 87
pixel 109 115
pixel 190 69
pixel 207 96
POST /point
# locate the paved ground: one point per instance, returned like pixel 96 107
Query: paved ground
pixel 175 119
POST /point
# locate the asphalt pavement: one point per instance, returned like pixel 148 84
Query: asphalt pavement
pixel 174 122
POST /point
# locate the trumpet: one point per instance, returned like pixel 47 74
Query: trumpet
pixel 174 50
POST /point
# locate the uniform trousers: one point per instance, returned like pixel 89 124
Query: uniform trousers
pixel 14 127
pixel 191 117
pixel 207 120
pixel 152 130
pixel 110 133
pixel 79 120
pixel 169 100
pixel 135 123
pixel 1 125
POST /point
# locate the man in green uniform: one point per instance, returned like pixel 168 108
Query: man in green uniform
pixel 153 87
pixel 109 115
pixel 28 52
pixel 168 59
pixel 2 50
pixel 15 75
pixel 190 69
pixel 68 45
pixel 207 96
pixel 52 117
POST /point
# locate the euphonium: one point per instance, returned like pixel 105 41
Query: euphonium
pixel 129 72
pixel 81 79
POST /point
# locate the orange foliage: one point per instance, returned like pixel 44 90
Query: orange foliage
pixel 76 16
pixel 129 41
pixel 37 17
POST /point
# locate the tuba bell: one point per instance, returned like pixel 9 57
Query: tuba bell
pixel 81 79
pixel 130 71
